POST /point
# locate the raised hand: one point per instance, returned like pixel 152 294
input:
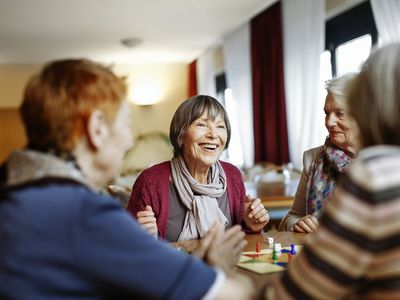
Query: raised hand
pixel 148 221
pixel 255 215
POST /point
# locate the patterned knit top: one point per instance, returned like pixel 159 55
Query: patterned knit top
pixel 356 251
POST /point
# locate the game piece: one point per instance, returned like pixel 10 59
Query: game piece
pixel 270 240
pixel 267 260
pixel 292 253
pixel 278 249
pixel 274 256
pixel 258 247
pixel 292 249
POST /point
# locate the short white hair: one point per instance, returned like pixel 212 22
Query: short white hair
pixel 339 86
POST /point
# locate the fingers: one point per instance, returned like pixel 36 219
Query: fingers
pixel 248 199
pixel 258 213
pixel 145 213
pixel 149 227
pixel 314 220
pixel 297 228
pixel 233 236
pixel 255 207
pixel 208 240
pixel 308 224
pixel 247 202
pixel 304 227
pixel 147 220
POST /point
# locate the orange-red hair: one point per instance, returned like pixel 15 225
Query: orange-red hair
pixel 58 101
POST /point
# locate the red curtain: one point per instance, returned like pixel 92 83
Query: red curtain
pixel 192 90
pixel 270 128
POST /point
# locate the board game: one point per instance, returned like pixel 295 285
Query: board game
pixel 262 262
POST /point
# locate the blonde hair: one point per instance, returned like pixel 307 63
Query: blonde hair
pixel 374 98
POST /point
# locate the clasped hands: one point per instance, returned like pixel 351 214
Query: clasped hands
pixel 306 224
pixel 220 248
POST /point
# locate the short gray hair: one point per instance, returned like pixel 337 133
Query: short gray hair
pixel 339 87
pixel 374 98
pixel 190 110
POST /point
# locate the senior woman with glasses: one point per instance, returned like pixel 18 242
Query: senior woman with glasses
pixel 181 199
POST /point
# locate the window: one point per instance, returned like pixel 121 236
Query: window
pixel 351 55
pixel 235 152
pixel 349 38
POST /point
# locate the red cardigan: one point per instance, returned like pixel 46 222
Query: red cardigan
pixel 152 188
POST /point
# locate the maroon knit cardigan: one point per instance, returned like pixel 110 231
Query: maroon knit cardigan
pixel 152 188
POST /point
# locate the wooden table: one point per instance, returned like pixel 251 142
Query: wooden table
pixel 284 238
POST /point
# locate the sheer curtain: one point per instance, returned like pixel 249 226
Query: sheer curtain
pixel 304 37
pixel 205 73
pixel 387 19
pixel 236 52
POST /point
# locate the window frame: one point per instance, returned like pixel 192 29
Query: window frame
pixel 347 26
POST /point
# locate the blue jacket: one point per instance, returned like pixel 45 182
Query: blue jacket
pixel 60 240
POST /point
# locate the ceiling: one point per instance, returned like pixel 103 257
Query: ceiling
pixel 34 31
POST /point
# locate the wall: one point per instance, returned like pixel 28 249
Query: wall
pixel 172 79
pixel 12 81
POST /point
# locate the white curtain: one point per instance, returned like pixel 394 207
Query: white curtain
pixel 236 52
pixel 304 37
pixel 205 73
pixel 387 19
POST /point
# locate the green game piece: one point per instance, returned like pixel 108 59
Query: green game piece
pixel 274 256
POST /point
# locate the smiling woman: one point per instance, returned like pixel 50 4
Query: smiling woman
pixel 181 199
pixel 324 164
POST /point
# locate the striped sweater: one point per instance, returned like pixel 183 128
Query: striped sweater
pixel 356 251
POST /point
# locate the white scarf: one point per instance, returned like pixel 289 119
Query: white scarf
pixel 199 199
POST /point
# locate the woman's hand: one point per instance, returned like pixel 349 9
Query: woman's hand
pixel 255 215
pixel 148 221
pixel 307 224
pixel 222 248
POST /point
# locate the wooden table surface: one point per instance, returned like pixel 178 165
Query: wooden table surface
pixel 284 238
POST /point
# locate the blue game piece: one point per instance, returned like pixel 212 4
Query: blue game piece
pixel 292 250
pixel 282 264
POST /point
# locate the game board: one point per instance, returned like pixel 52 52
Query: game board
pixel 262 262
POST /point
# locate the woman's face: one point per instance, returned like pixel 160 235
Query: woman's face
pixel 119 141
pixel 341 127
pixel 204 141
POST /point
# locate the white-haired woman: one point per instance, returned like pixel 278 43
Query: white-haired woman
pixel 324 164
pixel 355 252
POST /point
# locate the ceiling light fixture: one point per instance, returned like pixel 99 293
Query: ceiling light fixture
pixel 131 42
